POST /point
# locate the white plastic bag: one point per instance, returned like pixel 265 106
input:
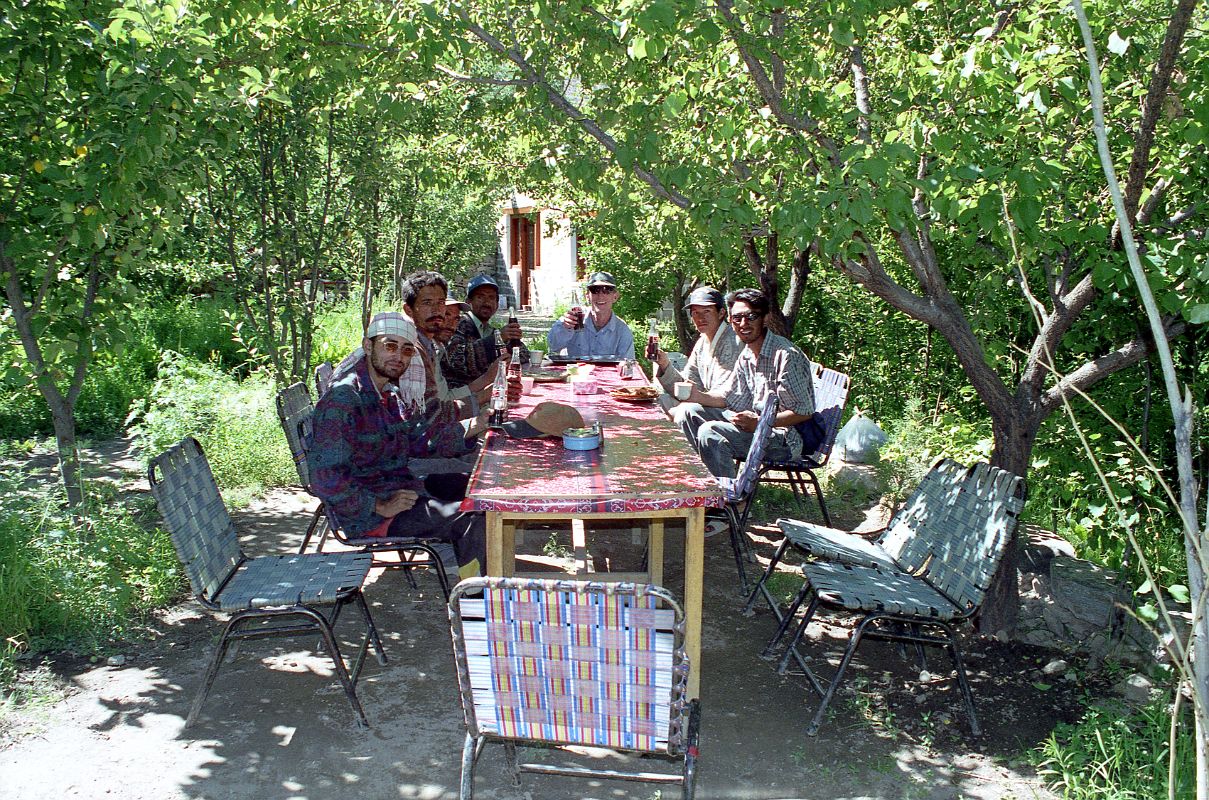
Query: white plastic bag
pixel 859 440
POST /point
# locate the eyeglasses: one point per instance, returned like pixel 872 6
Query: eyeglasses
pixel 748 317
pixel 391 346
pixel 601 289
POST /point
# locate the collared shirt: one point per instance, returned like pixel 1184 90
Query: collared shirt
pixel 360 445
pixel 709 364
pixel 614 340
pixel 470 351
pixel 782 367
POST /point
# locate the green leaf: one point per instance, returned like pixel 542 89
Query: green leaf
pixel 637 48
pixel 1198 314
pixel 1179 592
pixel 1116 44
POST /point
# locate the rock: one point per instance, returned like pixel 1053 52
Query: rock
pixel 1135 689
pixel 115 661
pixel 925 676
pixel 1055 667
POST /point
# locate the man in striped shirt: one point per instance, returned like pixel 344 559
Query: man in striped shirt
pixel 769 363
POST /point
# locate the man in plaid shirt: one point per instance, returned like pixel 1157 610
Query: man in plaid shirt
pixel 768 363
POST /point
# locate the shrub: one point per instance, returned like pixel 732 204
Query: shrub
pixel 76 582
pixel 235 422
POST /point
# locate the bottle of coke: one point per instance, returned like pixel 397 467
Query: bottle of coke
pixel 499 401
pixel 577 308
pixel 513 344
pixel 652 342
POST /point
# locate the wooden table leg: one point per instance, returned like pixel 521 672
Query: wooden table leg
pixel 694 569
pixel 508 546
pixel 495 543
pixel 654 553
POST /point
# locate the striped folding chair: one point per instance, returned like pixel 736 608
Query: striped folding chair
pixel 740 491
pixel 267 596
pixel 830 396
pixel 295 409
pixel 921 607
pixel 554 663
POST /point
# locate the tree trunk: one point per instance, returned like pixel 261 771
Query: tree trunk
pixel 69 455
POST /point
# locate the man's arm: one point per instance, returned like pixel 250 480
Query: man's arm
pixel 625 339
pixel 330 459
pixel 560 336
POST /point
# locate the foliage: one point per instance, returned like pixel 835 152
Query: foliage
pixel 1120 753
pixel 83 584
pixel 235 422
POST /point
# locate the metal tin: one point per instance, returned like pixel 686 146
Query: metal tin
pixel 582 438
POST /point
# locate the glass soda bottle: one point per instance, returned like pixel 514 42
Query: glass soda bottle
pixel 513 344
pixel 577 308
pixel 499 400
pixel 652 341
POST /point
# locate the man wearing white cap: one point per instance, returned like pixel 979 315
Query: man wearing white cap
pixel 360 444
pixel 598 334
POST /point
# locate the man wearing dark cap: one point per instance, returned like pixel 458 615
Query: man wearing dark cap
pixel 598 334
pixel 471 350
pixel 712 358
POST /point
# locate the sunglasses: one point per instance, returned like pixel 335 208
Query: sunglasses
pixel 397 347
pixel 601 289
pixel 749 317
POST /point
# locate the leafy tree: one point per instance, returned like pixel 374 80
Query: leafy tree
pixel 940 158
pixel 95 98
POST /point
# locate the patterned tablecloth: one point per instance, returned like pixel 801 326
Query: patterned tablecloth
pixel 644 463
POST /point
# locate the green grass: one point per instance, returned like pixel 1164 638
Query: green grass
pixel 76 583
pixel 1115 753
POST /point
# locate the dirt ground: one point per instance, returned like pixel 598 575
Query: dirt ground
pixel 277 724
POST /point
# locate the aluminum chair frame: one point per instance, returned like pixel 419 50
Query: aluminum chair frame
pixel 267 596
pixel 740 491
pixel 537 642
pixel 946 591
pixel 830 397
pixel 295 410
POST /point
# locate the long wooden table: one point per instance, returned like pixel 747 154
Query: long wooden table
pixel 644 470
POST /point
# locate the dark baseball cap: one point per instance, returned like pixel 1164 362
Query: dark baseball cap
pixel 602 279
pixel 705 296
pixel 478 282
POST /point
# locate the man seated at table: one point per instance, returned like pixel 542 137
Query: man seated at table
pixel 472 350
pixel 360 451
pixel 768 362
pixel 712 359
pixel 598 334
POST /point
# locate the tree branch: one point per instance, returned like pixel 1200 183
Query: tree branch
pixel 860 83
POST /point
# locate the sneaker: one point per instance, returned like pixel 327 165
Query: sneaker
pixel 715 525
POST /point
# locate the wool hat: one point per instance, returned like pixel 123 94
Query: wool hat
pixel 547 419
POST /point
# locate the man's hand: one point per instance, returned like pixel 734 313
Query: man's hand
pixel 396 504
pixel 511 331
pixel 661 359
pixel 573 318
pixel 483 396
pixel 746 421
pixel 477 426
pixel 486 379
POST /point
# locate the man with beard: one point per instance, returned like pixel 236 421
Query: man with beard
pixel 768 363
pixel 712 358
pixel 361 442
pixel 472 350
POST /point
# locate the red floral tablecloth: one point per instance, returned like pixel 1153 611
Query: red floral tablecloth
pixel 644 464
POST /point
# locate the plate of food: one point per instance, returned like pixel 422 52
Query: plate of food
pixel 544 376
pixel 635 394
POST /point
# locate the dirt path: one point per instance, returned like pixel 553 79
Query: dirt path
pixel 277 725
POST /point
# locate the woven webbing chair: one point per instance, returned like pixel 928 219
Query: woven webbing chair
pixel 295 410
pixel 268 596
pixel 903 544
pixel 830 396
pixel 323 378
pixel 921 607
pixel 554 663
pixel 740 491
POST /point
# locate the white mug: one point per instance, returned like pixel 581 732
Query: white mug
pixel 681 390
pixel 535 358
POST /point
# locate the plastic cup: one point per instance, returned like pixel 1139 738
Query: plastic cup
pixel 527 385
pixel 681 390
pixel 535 358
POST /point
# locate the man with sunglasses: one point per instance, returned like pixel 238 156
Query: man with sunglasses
pixel 768 363
pixel 361 442
pixel 598 334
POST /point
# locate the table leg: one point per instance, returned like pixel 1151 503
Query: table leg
pixel 508 546
pixel 495 543
pixel 654 553
pixel 694 569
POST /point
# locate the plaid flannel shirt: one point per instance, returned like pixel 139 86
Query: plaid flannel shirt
pixel 709 364
pixel 781 366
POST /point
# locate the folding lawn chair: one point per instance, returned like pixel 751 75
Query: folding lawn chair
pixel 267 596
pixel 740 491
pixel 295 410
pixel 903 545
pixel 553 663
pixel 830 396
pixel 323 378
pixel 948 588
